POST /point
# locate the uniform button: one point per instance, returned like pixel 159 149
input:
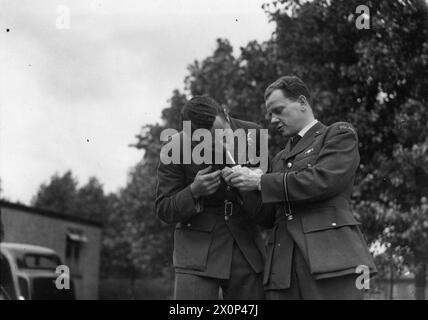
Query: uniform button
pixel 290 217
pixel 289 165
pixel 279 244
pixel 333 224
pixel 189 224
pixel 309 165
pixel 226 218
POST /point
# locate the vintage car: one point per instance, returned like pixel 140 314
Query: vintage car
pixel 29 272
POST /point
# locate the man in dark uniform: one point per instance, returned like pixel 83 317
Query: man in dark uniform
pixel 316 246
pixel 216 245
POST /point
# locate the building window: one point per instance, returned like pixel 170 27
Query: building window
pixel 74 245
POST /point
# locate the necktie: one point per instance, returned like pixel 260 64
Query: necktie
pixel 294 140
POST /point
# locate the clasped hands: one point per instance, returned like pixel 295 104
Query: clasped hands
pixel 242 178
pixel 207 182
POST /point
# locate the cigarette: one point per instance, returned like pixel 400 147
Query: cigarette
pixel 230 157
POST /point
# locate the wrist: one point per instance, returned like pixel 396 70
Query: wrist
pixel 259 171
pixel 193 191
pixel 255 178
pixel 259 183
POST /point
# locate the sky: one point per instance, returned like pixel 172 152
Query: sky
pixel 79 78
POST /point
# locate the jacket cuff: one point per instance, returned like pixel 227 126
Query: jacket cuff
pixel 272 185
pixel 187 206
pixel 287 199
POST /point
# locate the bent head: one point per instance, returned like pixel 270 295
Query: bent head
pixel 288 105
pixel 205 113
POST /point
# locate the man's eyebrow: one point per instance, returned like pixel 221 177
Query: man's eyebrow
pixel 275 109
pixel 269 105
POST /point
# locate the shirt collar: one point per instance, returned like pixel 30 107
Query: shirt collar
pixel 307 127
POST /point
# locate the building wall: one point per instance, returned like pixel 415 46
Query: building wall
pixel 26 227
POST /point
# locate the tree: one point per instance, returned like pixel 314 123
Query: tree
pixel 215 75
pixel 58 195
pixel 91 202
pixel 111 252
pixel 136 244
pixel 62 194
pixel 407 190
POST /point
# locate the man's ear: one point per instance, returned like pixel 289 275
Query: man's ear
pixel 303 103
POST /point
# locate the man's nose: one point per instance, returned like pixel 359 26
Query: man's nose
pixel 274 120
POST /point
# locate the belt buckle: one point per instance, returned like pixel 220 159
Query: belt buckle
pixel 228 209
pixel 288 213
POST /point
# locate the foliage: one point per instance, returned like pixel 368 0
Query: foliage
pixel 59 195
pixel 62 195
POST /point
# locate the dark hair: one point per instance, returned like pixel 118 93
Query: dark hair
pixel 291 86
pixel 201 111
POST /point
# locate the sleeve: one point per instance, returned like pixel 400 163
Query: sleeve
pixel 333 171
pixel 272 187
pixel 260 212
pixel 272 184
pixel 174 200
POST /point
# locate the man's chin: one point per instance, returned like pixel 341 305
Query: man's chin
pixel 284 132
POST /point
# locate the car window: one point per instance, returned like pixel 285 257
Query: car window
pixel 38 261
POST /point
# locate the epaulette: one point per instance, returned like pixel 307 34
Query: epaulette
pixel 344 126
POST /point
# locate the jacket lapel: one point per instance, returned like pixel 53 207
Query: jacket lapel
pixel 305 142
pixel 286 151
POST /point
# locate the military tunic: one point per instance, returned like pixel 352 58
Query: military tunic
pixel 206 234
pixel 305 197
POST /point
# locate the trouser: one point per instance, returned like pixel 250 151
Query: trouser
pixel 243 283
pixel 303 285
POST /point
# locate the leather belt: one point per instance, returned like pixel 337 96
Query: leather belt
pixel 227 209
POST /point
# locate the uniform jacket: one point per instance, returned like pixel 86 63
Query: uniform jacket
pixel 305 197
pixel 203 238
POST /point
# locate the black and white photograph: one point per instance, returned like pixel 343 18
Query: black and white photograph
pixel 210 150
